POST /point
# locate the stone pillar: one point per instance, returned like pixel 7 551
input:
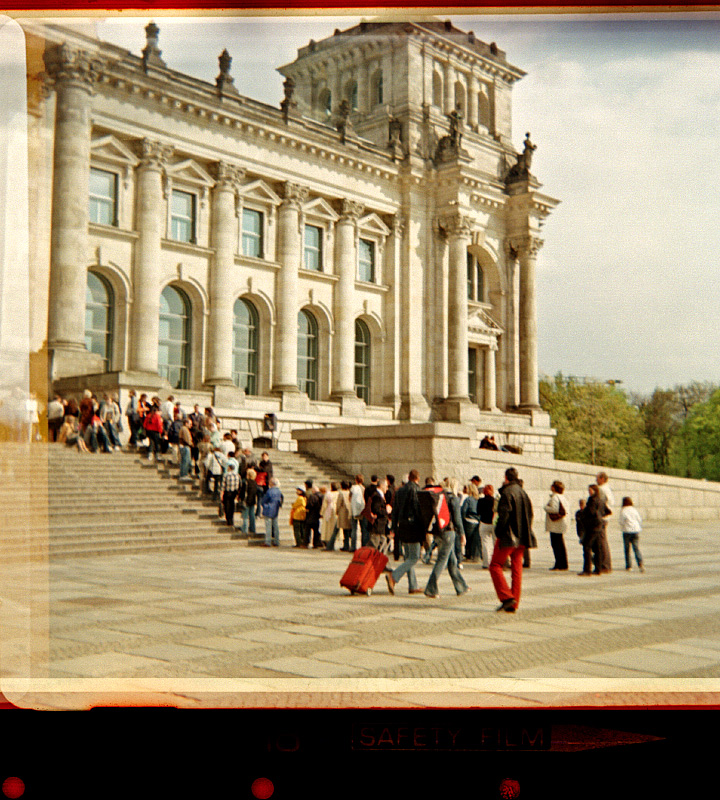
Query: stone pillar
pixel 458 406
pixel 438 330
pixel 151 223
pixel 73 72
pixel 490 403
pixel 224 240
pixel 287 292
pixel 527 248
pixel 449 95
pixel 512 337
pixel 472 102
pixel 344 338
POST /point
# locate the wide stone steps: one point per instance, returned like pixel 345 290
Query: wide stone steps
pixel 64 503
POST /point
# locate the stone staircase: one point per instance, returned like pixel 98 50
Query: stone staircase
pixel 62 503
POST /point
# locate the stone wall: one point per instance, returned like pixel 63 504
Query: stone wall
pixel 449 450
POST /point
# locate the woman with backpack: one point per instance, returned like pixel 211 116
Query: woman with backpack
pixel 556 524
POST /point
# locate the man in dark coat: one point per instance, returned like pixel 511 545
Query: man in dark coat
pixel 312 518
pixel 409 530
pixel 513 530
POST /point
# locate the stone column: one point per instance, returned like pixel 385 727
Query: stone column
pixel 151 223
pixel 472 102
pixel 287 292
pixel 449 95
pixel 458 229
pixel 528 248
pixel 490 403
pixel 344 338
pixel 224 239
pixel 512 336
pixel 458 406
pixel 73 72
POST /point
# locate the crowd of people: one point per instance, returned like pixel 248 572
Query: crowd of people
pixel 457 523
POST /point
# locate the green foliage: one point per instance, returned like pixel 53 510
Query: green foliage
pixel 595 423
pixel 699 439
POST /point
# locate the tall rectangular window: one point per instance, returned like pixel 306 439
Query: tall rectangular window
pixel 182 217
pixel 103 197
pixel 472 374
pixel 366 261
pixel 313 248
pixel 252 233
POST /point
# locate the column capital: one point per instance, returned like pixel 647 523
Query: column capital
pixel 398 224
pixel 527 244
pixel 227 176
pixel 456 224
pixel 66 64
pixel 293 194
pixel 153 154
pixel 350 211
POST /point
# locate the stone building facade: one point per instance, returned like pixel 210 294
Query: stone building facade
pixel 364 252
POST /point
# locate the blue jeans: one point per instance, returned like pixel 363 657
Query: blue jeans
pixel 353 533
pixel 446 558
pixel 248 514
pixel 272 531
pixel 631 540
pixel 412 556
pixel 258 504
pixel 184 461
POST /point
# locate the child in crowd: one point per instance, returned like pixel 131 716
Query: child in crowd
pixel 631 525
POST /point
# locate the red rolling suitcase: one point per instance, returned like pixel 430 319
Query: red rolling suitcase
pixel 365 568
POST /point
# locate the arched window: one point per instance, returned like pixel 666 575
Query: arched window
pixel 307 366
pixel 483 110
pixel 174 337
pixel 362 360
pixel 475 279
pixel 437 90
pixel 377 87
pixel 351 93
pixel 245 346
pixel 460 97
pixel 99 302
pixel 325 101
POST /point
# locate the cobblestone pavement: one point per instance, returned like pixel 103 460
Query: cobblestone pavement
pixel 272 627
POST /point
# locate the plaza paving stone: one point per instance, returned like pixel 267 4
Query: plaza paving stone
pixel 247 614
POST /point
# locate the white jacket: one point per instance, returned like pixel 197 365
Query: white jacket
pixel 552 507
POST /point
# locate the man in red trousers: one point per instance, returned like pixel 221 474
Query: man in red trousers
pixel 514 535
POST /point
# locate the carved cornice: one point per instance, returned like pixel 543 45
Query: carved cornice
pixel 227 176
pixel 350 210
pixel 293 194
pixel 65 64
pixel 153 154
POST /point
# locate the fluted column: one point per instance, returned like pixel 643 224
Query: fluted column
pixel 458 230
pixel 512 325
pixel 224 239
pixel 151 222
pixel 289 255
pixel 73 72
pixel 346 264
pixel 527 248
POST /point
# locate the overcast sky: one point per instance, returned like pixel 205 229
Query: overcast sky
pixel 624 112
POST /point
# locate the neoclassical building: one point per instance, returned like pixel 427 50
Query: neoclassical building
pixel 363 252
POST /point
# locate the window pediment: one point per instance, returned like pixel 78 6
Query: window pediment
pixel 110 150
pixel 320 209
pixel 190 172
pixel 372 224
pixel 259 191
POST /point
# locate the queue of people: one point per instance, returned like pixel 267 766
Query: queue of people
pixel 477 524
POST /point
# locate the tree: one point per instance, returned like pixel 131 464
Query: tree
pixel 700 436
pixel 661 418
pixel 595 423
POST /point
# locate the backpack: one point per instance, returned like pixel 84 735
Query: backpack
pixel 367 513
pixel 434 507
